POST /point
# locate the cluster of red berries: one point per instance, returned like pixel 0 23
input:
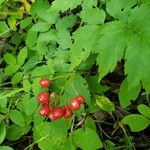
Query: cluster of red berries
pixel 49 103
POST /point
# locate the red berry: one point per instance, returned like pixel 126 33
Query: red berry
pixel 45 110
pixel 43 97
pixel 80 99
pixel 45 82
pixel 67 112
pixel 56 114
pixel 74 104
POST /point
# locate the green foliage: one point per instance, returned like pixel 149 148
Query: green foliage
pixel 90 139
pixel 138 122
pixel 105 104
pixel 94 48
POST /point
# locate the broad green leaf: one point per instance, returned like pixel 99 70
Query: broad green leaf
pixel 4 30
pixel 6 148
pixel 22 56
pixel 111 52
pixel 2 131
pixel 26 22
pixel 115 7
pixel 85 41
pixel 11 69
pixel 93 16
pixel 31 38
pixel 76 85
pixel 87 139
pixel 94 86
pixel 40 27
pixel 50 16
pixel 64 39
pixel 1 1
pixel 3 103
pixel 14 132
pixel 10 59
pixel 126 94
pixel 105 104
pixel 89 123
pixel 17 77
pixel 26 85
pixel 136 122
pixel 47 36
pixel 12 23
pixel 31 63
pixel 134 62
pixel 17 117
pixel 144 110
pixel 30 104
pixel 51 134
pixel 67 144
pixel 88 4
pixel 66 22
pixel 67 4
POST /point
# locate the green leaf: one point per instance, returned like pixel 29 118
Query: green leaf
pixel 31 38
pixel 66 22
pixel 134 62
pixel 136 122
pixel 17 77
pixel 4 30
pixel 105 104
pixel 26 85
pixel 47 36
pixel 11 69
pixel 22 56
pixel 72 89
pixel 67 144
pixel 3 103
pixel 57 4
pixel 93 16
pixel 40 27
pixel 144 110
pixel 115 7
pixel 85 41
pixel 17 117
pixel 110 52
pixel 126 94
pixel 14 132
pixel 30 104
pixel 64 39
pixel 94 86
pixel 88 4
pixel 2 132
pixel 12 23
pixel 53 134
pixel 26 22
pixel 6 148
pixel 87 139
pixel 1 1
pixel 10 59
pixel 89 123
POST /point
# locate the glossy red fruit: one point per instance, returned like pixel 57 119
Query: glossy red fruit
pixel 43 97
pixel 67 112
pixel 74 104
pixel 45 82
pixel 80 99
pixel 56 114
pixel 45 110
